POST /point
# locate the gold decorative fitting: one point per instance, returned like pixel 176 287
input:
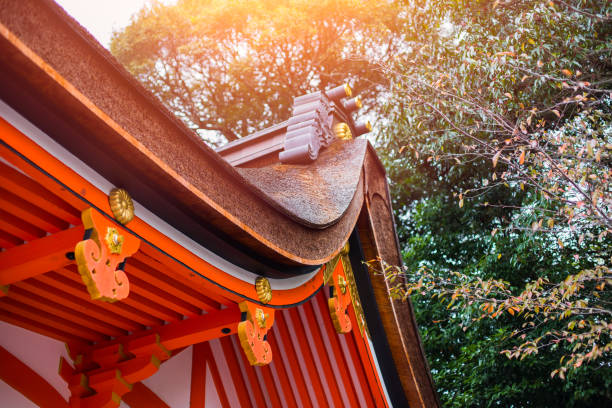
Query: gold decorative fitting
pixel 343 131
pixel 368 126
pixel 358 102
pixel 264 290
pixel 348 90
pixel 260 318
pixel 342 284
pixel 114 240
pixel 121 205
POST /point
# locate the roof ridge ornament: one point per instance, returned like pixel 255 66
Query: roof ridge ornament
pixel 312 128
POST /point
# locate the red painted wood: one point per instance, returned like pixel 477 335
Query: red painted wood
pixel 48 319
pixel 256 389
pixel 214 371
pixel 28 383
pixel 141 396
pixel 197 397
pixel 237 373
pixel 279 363
pixel 20 228
pixel 291 358
pixel 81 317
pixel 323 353
pixel 27 211
pixel 307 354
pixel 322 309
pixel 37 327
pixel 36 288
pixel 38 256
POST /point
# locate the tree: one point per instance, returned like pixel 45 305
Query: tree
pixel 234 67
pixel 499 144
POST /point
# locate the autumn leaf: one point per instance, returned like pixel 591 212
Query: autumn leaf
pixel 566 72
pixel 522 157
pixel 556 112
pixel 496 158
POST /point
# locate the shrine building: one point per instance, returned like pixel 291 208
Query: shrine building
pixel 141 268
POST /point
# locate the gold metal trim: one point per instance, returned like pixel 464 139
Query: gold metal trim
pixel 343 131
pixel 121 205
pixel 264 290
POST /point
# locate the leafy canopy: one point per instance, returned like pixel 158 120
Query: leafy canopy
pixel 234 66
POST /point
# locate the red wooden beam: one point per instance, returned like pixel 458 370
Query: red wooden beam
pixel 197 398
pixel 8 241
pixel 28 383
pixel 71 289
pixel 39 256
pixel 141 396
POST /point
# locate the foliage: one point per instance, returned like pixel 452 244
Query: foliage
pixel 234 66
pixel 499 145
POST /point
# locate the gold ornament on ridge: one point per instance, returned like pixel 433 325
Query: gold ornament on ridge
pixel 121 205
pixel 342 131
pixel 264 290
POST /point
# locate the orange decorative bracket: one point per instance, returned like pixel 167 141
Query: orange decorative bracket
pixel 101 255
pixel 339 276
pixel 340 299
pixel 101 377
pixel 253 329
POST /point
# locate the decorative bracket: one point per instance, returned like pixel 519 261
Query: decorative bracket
pixel 339 276
pixel 101 376
pixel 101 255
pixel 253 329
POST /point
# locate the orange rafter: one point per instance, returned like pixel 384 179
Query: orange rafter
pixel 49 331
pixel 27 211
pixel 156 313
pixel 81 317
pixel 19 228
pixel 39 256
pixel 7 240
pixel 28 383
pixel 29 190
pixel 48 319
pixel 75 288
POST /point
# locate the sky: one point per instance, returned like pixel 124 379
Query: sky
pixel 101 17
